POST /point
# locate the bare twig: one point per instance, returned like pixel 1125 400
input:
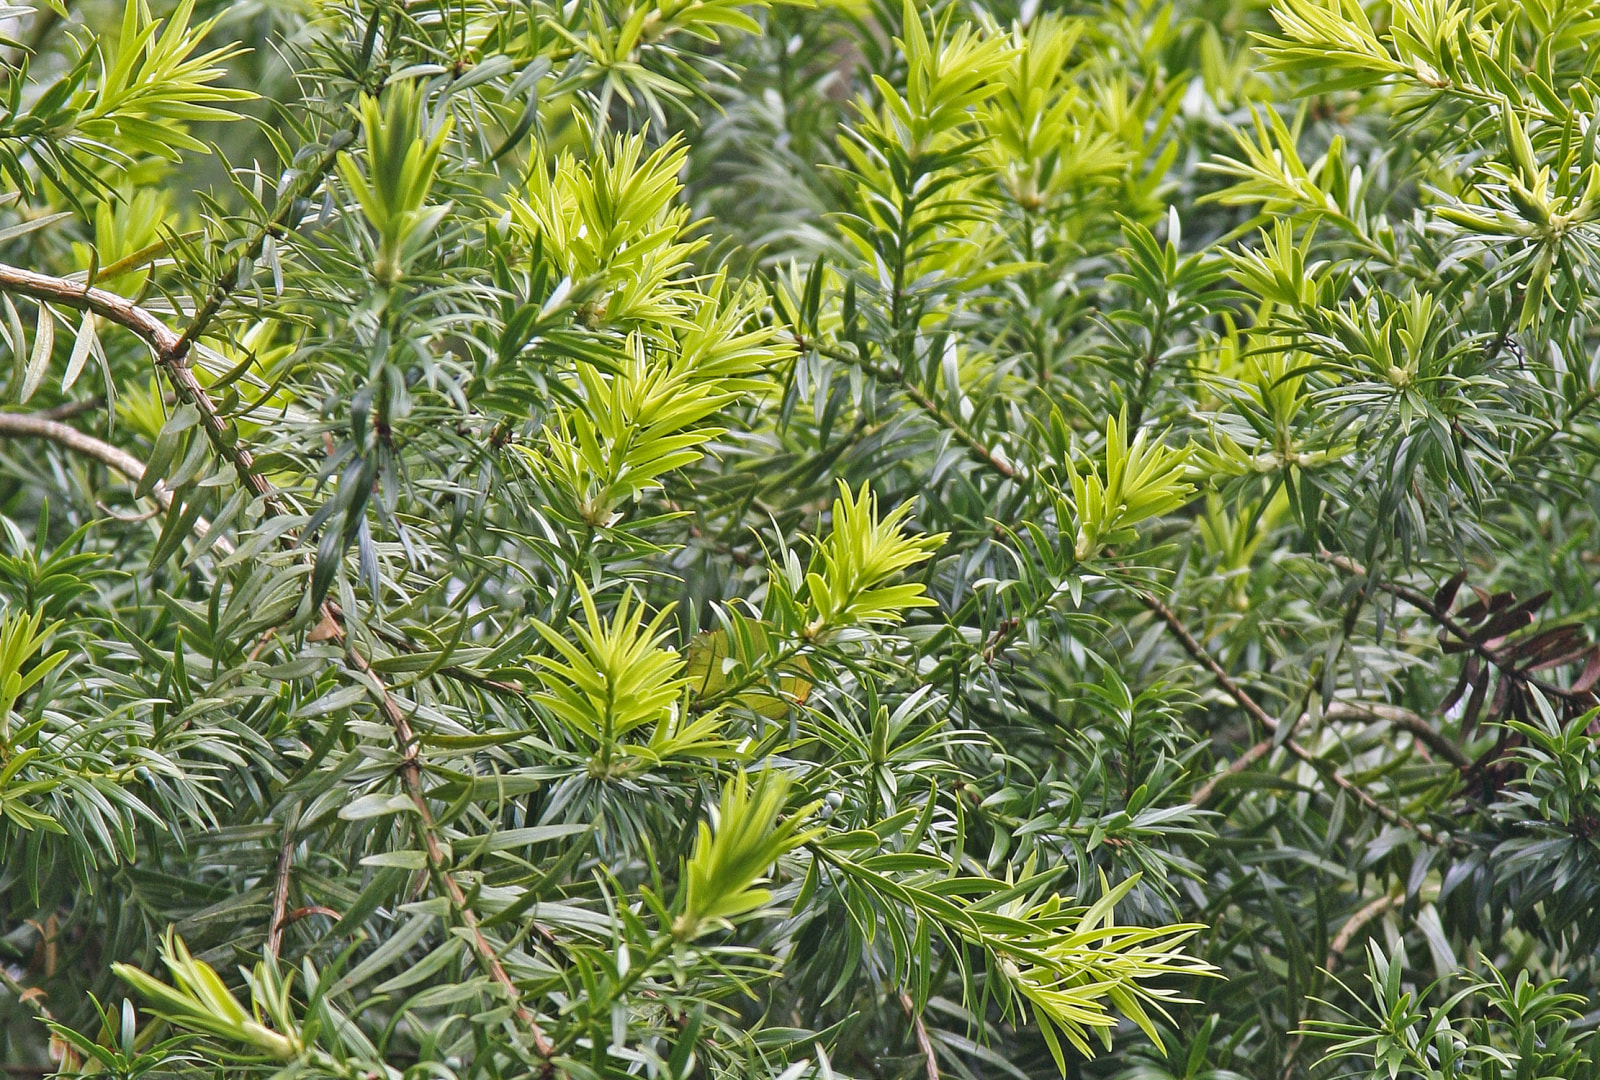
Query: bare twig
pixel 1249 705
pixel 1204 793
pixel 171 352
pixel 280 892
pixel 1352 926
pixel 67 410
pixel 25 425
pixel 1406 721
pixel 930 1063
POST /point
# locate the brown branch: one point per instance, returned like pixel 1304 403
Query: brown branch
pixel 67 410
pixel 107 305
pixel 1249 705
pixel 170 350
pixel 27 425
pixel 974 445
pixel 1411 596
pixel 438 862
pixel 310 909
pixel 399 641
pixel 1394 715
pixel 1406 721
pixel 1201 655
pixel 1345 784
pixel 1347 933
pixel 930 1063
pixel 1203 794
pixel 280 892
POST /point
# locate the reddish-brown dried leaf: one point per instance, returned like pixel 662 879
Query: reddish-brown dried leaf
pixel 1469 671
pixel 1590 675
pixel 1447 592
pixel 1484 605
pixel 1469 717
pixel 1504 701
pixel 1538 650
pixel 1514 619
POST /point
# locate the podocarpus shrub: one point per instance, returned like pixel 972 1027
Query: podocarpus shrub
pixel 693 538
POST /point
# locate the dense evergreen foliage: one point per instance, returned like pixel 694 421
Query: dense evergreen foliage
pixel 706 538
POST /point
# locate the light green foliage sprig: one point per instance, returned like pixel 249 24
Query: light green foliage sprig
pixel 616 221
pixel 848 581
pixel 115 101
pixel 616 678
pixel 752 832
pixel 401 165
pixel 197 999
pixel 1141 480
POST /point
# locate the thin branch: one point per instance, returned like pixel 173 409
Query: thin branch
pixel 1347 933
pixel 1411 596
pixel 930 1064
pixel 67 410
pixel 280 892
pixel 1204 793
pixel 223 286
pixel 107 305
pixel 29 425
pixel 1393 715
pixel 1249 705
pixel 975 446
pixel 310 909
pixel 399 641
pixel 1174 625
pixel 170 350
pixel 438 862
pixel 1406 721
pixel 25 425
pixel 1331 773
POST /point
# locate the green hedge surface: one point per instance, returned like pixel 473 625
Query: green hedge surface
pixel 728 540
